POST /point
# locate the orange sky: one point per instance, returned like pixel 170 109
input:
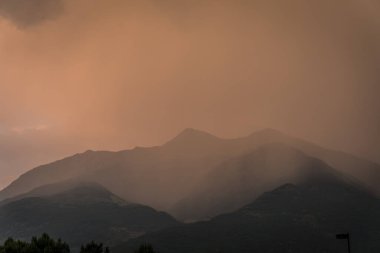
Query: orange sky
pixel 95 74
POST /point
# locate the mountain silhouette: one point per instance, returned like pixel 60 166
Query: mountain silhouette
pixel 80 214
pixel 192 136
pixel 302 217
pixel 149 175
pixel 241 179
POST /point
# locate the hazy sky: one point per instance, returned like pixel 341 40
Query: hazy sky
pixel 113 74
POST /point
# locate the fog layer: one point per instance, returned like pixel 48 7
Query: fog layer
pixel 81 74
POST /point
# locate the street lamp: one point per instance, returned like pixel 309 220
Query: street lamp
pixel 345 237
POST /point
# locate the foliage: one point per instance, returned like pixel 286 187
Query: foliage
pixel 45 244
pixel 42 244
pixel 145 248
pixel 94 247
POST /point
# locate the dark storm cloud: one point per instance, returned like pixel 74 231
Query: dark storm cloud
pixel 25 13
pixel 112 74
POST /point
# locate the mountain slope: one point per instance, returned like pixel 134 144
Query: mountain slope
pixel 78 215
pixel 292 218
pixel 241 179
pixel 143 175
pixel 61 170
pixel 149 175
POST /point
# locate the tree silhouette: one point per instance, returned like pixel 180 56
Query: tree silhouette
pixel 40 244
pixel 94 247
pixel 45 244
pixel 145 248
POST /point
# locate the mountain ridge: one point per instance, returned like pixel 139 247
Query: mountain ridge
pixel 241 179
pixel 148 175
pixel 80 214
pixel 290 218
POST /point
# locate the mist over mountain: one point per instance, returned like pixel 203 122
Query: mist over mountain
pixel 227 183
pixel 292 218
pixel 110 75
pixel 119 78
pixel 236 182
pixel 210 175
pixel 79 214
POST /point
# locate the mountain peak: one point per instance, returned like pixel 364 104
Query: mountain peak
pixel 192 136
pixel 285 187
pixel 193 132
pixel 88 192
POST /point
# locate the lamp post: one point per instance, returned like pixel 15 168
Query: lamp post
pixel 347 237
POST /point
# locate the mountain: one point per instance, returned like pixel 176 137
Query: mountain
pixel 51 189
pixel 78 215
pixel 149 175
pixel 241 179
pixel 61 170
pixel 292 218
pixel 142 175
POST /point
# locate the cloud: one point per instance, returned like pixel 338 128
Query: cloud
pixel 112 74
pixel 26 13
pixel 24 129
